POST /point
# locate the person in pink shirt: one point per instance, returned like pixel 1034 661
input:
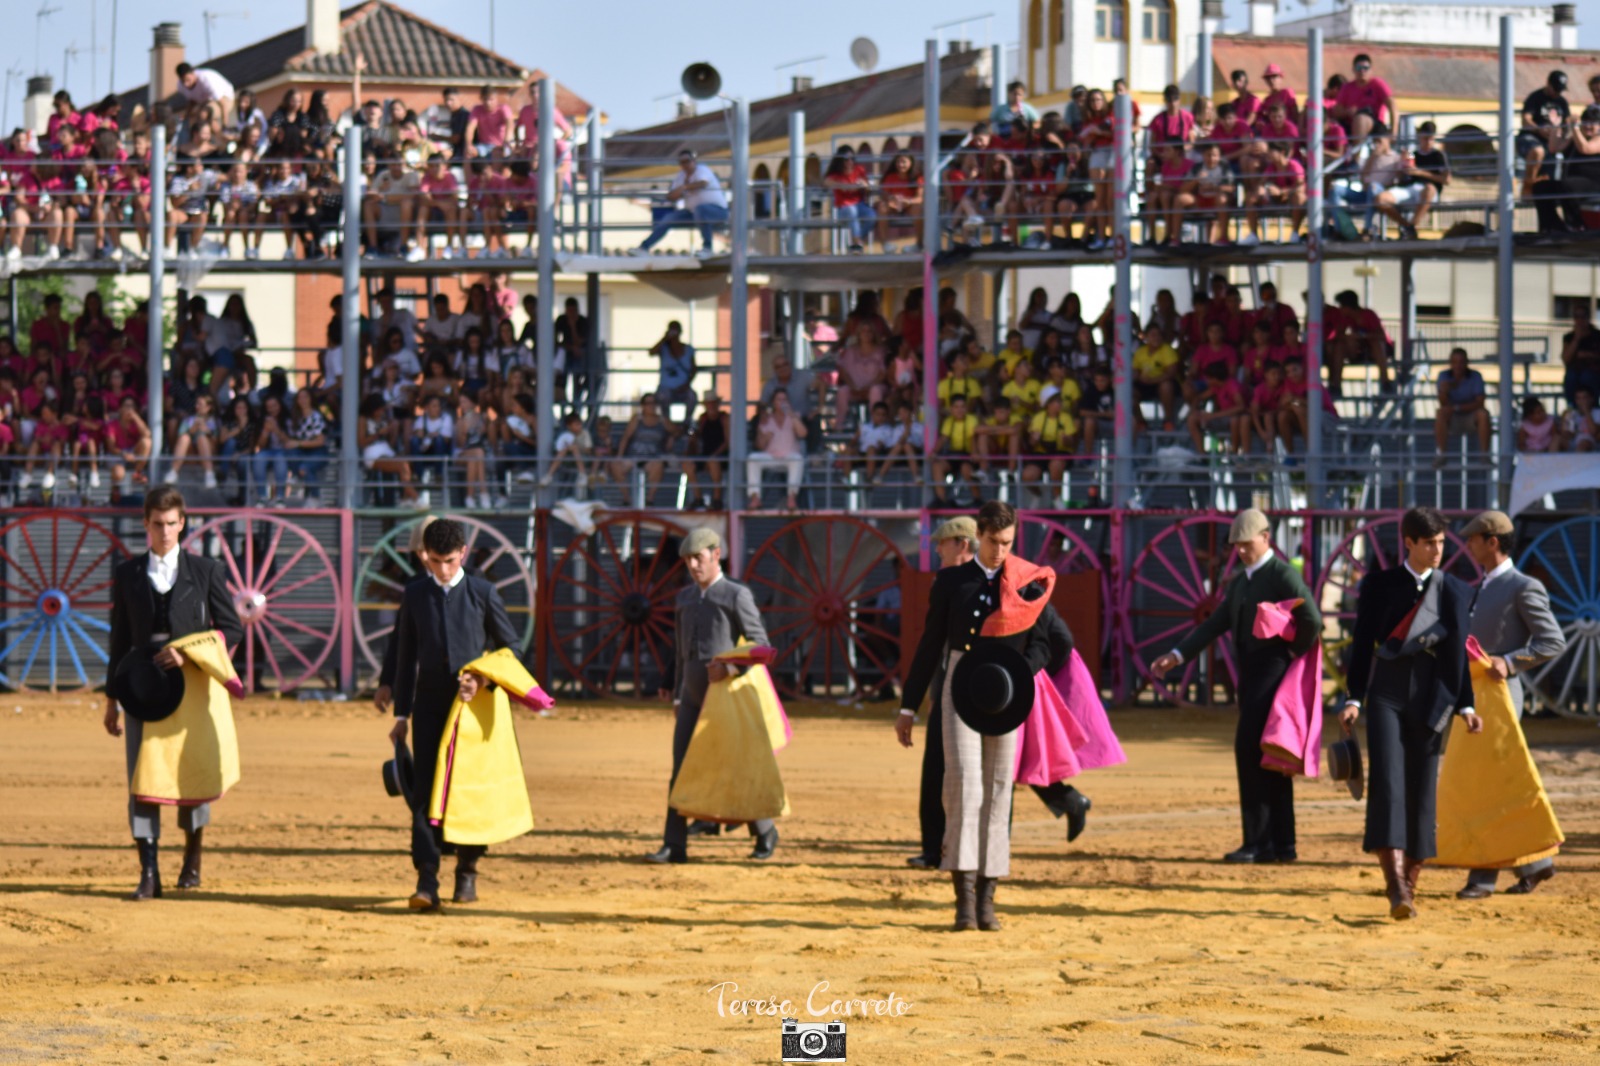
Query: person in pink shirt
pixel 1292 417
pixel 1173 125
pixel 1288 347
pixel 1362 339
pixel 1274 125
pixel 1266 403
pixel 1256 354
pixel 62 114
pixel 489 124
pixel 1163 188
pixel 440 202
pixel 1246 104
pixel 1363 101
pixel 1234 137
pixel 528 122
pixel 1228 409
pixel 51 439
pixel 484 182
pixel 1216 351
pixel 518 199
pixel 1282 184
pixel 1280 93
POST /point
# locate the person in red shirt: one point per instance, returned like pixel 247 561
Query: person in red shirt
pixel 1228 409
pixel 1174 125
pixel 62 115
pixel 528 122
pixel 1164 184
pixel 1280 93
pixel 900 200
pixel 1361 339
pixel 850 184
pixel 1266 402
pixel 489 124
pixel 1210 189
pixel 1270 312
pixel 439 202
pixel 1234 137
pixel 1295 403
pixel 1274 125
pixel 1096 134
pixel 1282 184
pixel 1245 103
pixel 1256 354
pixel 1364 101
pixel 1216 351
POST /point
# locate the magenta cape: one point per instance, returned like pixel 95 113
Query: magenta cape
pixel 1068 731
pixel 1291 743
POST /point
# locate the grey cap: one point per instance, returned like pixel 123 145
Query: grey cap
pixel 1491 523
pixel 963 527
pixel 1247 525
pixel 699 539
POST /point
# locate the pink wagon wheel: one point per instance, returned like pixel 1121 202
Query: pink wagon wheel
pixel 55 601
pixel 1373 544
pixel 1175 583
pixel 286 591
pixel 819 583
pixel 611 607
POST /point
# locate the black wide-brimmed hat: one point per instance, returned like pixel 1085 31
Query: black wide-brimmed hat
pixel 992 688
pixel 399 772
pixel 1344 764
pixel 146 691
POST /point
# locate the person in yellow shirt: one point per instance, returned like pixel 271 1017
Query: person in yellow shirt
pixel 1156 368
pixel 999 434
pixel 958 436
pixel 960 382
pixel 1023 391
pixel 979 362
pixel 1071 392
pixel 1013 353
pixel 1052 437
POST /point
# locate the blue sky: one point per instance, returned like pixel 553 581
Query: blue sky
pixel 620 54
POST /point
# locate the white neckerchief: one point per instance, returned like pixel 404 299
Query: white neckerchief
pixel 987 573
pixel 163 571
pixel 1505 565
pixel 1422 577
pixel 446 586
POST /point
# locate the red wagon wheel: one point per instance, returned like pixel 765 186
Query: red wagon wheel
pixel 1176 583
pixel 286 591
pixel 55 601
pixel 612 605
pixel 1046 542
pixel 819 580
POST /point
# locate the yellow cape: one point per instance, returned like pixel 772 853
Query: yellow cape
pixel 479 793
pixel 192 755
pixel 729 773
pixel 1493 810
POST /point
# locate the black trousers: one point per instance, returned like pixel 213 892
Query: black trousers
pixel 1266 797
pixel 930 806
pixel 429 712
pixel 1404 755
pixel 676 833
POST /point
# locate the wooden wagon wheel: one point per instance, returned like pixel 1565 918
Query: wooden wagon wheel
pixel 55 615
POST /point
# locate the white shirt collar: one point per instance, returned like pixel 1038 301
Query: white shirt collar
pixel 1505 565
pixel 710 583
pixel 1250 571
pixel 987 573
pixel 1420 577
pixel 453 582
pixel 168 561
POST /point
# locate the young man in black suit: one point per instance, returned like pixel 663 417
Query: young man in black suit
pixel 1408 668
pixel 156 596
pixel 444 623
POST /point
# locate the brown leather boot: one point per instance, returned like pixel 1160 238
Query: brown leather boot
pixel 1392 861
pixel 426 897
pixel 466 878
pixel 987 920
pixel 189 877
pixel 149 873
pixel 1412 868
pixel 966 882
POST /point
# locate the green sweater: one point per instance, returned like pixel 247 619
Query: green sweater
pixel 1275 582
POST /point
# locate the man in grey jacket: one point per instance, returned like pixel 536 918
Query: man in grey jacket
pixel 712 616
pixel 1513 624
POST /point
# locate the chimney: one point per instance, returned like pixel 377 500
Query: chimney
pixel 36 107
pixel 1564 27
pixel 800 84
pixel 1263 18
pixel 165 55
pixel 1211 14
pixel 960 47
pixel 322 26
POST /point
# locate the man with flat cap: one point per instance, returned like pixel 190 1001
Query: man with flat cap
pixel 712 616
pixel 1514 626
pixel 1408 669
pixel 1266 797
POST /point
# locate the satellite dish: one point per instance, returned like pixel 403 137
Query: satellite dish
pixel 864 54
pixel 701 81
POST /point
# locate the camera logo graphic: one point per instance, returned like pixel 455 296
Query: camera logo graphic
pixel 813 1041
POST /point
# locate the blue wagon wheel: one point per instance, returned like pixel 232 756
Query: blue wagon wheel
pixel 55 580
pixel 1566 557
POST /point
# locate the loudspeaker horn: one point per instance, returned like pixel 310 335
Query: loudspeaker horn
pixel 701 81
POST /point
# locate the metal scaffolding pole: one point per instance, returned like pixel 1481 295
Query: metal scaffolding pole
pixel 795 242
pixel 1315 117
pixel 155 343
pixel 1122 251
pixel 1204 64
pixel 1504 278
pixel 596 181
pixel 930 248
pixel 997 82
pixel 350 321
pixel 739 325
pixel 545 328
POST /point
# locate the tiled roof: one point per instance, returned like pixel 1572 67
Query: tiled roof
pixel 839 105
pixel 1412 70
pixel 397 46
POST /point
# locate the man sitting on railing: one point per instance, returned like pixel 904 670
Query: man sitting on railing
pixel 1422 179
pixel 703 202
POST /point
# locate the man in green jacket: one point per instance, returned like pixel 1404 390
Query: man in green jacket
pixel 1266 797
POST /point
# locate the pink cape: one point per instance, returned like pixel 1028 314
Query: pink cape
pixel 1068 731
pixel 1291 743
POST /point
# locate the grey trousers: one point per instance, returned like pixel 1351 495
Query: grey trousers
pixel 1488 878
pixel 145 818
pixel 978 773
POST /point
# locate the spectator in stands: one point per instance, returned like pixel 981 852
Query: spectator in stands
pixel 129 441
pixel 1156 371
pixel 1015 107
pixel 439 201
pixel 1165 182
pixel 1216 351
pixel 237 434
pixel 708 446
pixel 307 444
pixel 1546 119
pixel 779 436
pixel 1072 114
pixel 1097 407
pixel 676 382
pixel 1246 104
pixel 1074 192
pixel 1174 125
pixel 445 124
pixel 1208 189
pixel 1463 407
pixel 874 442
pixel 1537 433
pixel 281 196
pixel 1282 184
pixel 240 198
pixel 1422 179
pixel 1580 178
pixel 703 201
pixel 1580 426
pixel 271 452
pixel 1580 354
pixel 1364 101
pixel 209 94
pixel 851 186
pixel 377 434
pixel 197 433
pixel 1278 92
pixel 1266 406
pixel 863 372
pixel 528 121
pixel 1355 335
pixel 471 449
pixel 489 124
pixel 646 441
pixel 1095 134
pixel 958 436
pixel 1052 438
pixel 1295 414
pixel 803 387
pixel 1236 138
pixel 1000 433
pixel 572 447
pixel 900 201
pixel 1382 170
pixel 1220 403
pixel 399 319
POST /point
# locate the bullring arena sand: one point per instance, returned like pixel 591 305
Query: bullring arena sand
pixel 1134 945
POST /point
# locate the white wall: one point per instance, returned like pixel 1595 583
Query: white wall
pixel 1456 24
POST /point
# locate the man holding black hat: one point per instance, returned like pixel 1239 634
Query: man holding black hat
pixel 1408 667
pixel 712 616
pixel 1513 624
pixel 443 624
pixel 162 594
pixel 1266 797
pixel 987 639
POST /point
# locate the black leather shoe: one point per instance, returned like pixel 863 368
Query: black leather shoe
pixel 466 887
pixel 1248 853
pixel 1077 813
pixel 766 844
pixel 1523 886
pixel 700 828
pixel 1475 892
pixel 667 854
pixel 190 875
pixel 149 872
pixel 922 862
pixel 1279 855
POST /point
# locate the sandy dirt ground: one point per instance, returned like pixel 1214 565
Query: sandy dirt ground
pixel 1134 945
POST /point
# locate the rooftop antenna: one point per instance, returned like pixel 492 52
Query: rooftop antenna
pixel 210 18
pixel 864 54
pixel 781 67
pixel 14 73
pixel 986 19
pixel 44 12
